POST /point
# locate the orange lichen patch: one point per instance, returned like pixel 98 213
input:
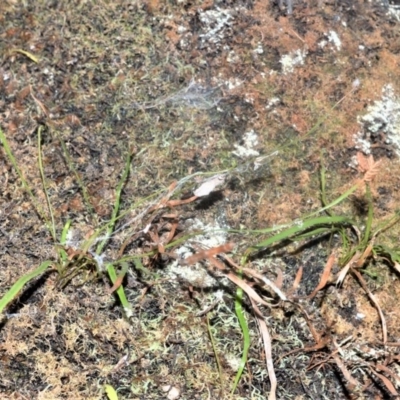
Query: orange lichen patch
pixel 152 6
pixel 304 177
pixel 311 40
pixel 374 39
pixel 389 60
pixel 299 123
pixel 287 208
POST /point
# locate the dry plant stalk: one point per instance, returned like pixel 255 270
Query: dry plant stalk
pixel 209 255
pixel 267 349
pixel 356 262
pixel 353 383
pixel 116 285
pixel 239 282
pixel 268 355
pixel 342 274
pixel 259 277
pixel 374 302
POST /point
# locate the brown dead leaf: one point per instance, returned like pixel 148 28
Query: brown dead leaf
pixel 296 281
pixel 207 254
pixel 325 276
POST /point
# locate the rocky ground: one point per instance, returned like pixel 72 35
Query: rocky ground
pixel 273 93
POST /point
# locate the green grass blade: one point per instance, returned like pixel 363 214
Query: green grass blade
pixel 139 267
pixel 109 230
pixel 64 232
pixel 110 392
pixel 314 232
pixel 246 336
pixel 335 202
pixel 330 221
pixel 120 291
pixel 125 267
pixel 12 293
pixel 307 217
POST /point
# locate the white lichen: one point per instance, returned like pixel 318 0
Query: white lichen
pixel 383 118
pixel 232 57
pixel 197 275
pixel 292 60
pixel 259 49
pixel 214 23
pixel 334 39
pixel 274 101
pixel 250 140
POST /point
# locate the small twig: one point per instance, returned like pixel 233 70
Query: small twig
pixel 374 301
pixel 239 282
pixel 353 383
pixel 209 253
pixel 208 309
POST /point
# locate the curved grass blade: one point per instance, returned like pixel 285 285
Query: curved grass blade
pixel 120 291
pixel 26 54
pixel 304 219
pixel 117 287
pixel 64 232
pixel 314 232
pixel 328 221
pixel 335 202
pixel 12 293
